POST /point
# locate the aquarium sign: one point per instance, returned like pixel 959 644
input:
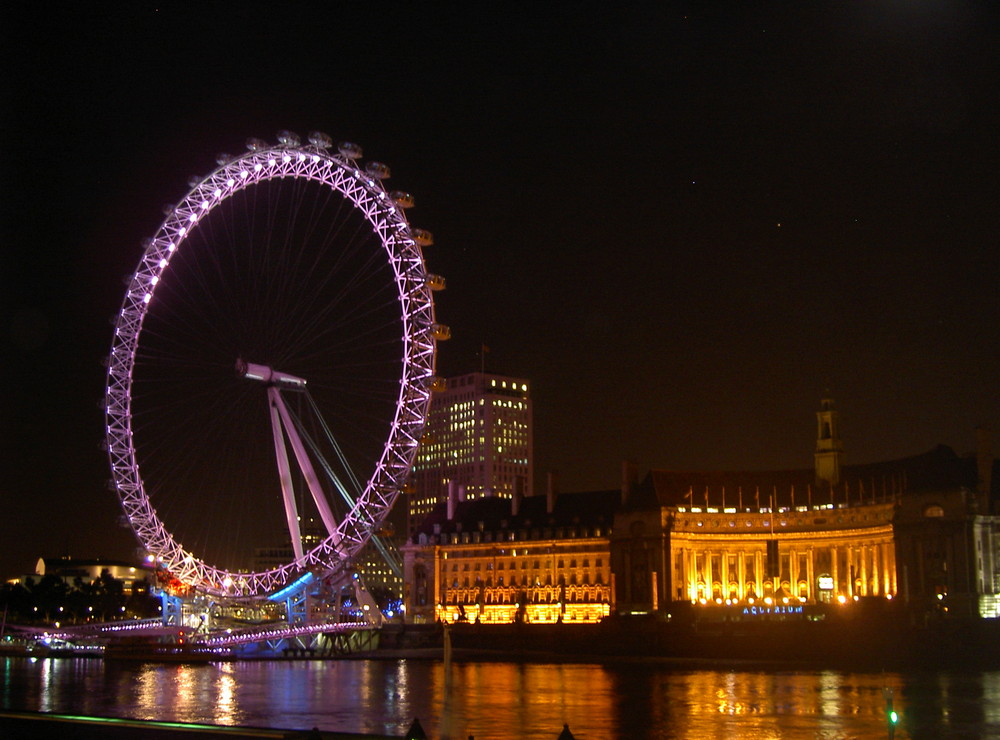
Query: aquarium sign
pixel 757 611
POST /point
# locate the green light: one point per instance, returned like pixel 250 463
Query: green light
pixel 893 717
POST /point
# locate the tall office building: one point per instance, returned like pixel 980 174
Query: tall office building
pixel 478 437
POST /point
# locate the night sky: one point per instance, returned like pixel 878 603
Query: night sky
pixel 683 222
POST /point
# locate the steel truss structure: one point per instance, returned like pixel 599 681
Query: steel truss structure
pixel 384 211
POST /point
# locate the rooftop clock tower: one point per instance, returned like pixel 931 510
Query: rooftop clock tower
pixel 829 448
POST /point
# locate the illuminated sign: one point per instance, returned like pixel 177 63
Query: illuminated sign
pixel 826 583
pixel 761 610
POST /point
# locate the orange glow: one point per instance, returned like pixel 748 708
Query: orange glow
pixel 533 613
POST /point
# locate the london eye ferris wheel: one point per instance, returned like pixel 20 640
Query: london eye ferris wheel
pixel 271 368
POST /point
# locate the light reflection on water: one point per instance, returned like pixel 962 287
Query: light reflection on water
pixel 512 700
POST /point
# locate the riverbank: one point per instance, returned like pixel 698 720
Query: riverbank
pixel 872 637
pixel 45 726
pixel 861 642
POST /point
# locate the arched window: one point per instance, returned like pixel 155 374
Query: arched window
pixel 934 510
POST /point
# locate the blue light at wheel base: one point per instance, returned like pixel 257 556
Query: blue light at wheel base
pixel 301 582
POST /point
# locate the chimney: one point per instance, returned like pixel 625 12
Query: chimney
pixel 452 499
pixel 550 492
pixel 984 466
pixel 630 479
pixel 515 499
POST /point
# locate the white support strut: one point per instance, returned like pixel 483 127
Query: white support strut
pixel 281 419
pixel 305 464
pixel 284 472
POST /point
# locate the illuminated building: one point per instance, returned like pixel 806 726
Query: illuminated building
pixel 74 571
pixel 922 530
pixel 269 558
pixel 378 575
pixel 918 528
pixel 478 437
pixel 722 550
pixel 538 559
pixel 379 578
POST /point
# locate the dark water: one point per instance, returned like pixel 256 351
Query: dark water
pixel 512 700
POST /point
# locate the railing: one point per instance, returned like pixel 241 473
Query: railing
pixel 226 638
pixel 243 637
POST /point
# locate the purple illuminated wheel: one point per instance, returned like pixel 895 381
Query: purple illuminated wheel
pixel 271 368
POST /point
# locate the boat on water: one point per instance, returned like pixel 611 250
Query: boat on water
pixel 159 649
pixel 167 653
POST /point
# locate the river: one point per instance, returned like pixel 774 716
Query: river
pixel 511 700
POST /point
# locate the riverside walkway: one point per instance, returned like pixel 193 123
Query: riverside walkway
pixel 43 726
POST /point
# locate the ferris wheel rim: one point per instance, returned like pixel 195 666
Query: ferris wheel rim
pixel 402 246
